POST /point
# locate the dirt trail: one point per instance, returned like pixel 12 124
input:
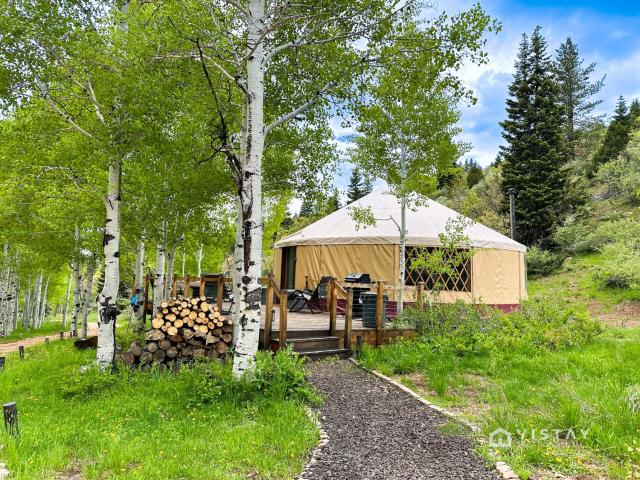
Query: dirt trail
pixel 29 342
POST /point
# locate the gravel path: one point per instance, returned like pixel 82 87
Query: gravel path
pixel 378 432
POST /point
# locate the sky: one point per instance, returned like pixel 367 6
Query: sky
pixel 606 31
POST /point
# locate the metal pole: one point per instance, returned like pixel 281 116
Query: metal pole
pixel 403 226
pixel 512 210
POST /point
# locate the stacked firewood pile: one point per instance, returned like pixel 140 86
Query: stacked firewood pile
pixel 183 330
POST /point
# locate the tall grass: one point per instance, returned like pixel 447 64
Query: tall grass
pixel 141 425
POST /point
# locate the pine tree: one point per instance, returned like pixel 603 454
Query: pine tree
pixel 535 153
pixel 357 186
pixel 634 113
pixel 617 136
pixel 474 172
pixel 576 90
pixel 307 208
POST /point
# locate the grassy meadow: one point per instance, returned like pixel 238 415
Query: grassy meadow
pixel 143 425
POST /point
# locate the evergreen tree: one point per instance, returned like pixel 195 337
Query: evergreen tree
pixel 358 186
pixel 474 172
pixel 576 90
pixel 307 208
pixel 634 113
pixel 535 153
pixel 617 136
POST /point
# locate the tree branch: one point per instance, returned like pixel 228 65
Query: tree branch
pixel 300 109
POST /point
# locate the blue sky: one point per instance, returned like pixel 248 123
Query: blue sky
pixel 606 32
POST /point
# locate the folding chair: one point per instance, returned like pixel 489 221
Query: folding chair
pixel 314 300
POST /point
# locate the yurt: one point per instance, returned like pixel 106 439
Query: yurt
pixel 337 246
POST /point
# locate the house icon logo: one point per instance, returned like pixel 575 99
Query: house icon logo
pixel 500 438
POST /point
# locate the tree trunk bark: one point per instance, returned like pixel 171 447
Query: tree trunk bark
pixel 67 297
pixel 5 276
pixel 199 258
pixel 251 196
pixel 26 309
pixel 171 261
pixel 107 309
pixel 43 304
pixel 158 282
pixel 77 285
pixel 184 261
pixel 37 294
pixel 87 293
pixel 138 285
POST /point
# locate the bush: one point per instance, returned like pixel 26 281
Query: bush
pixel 542 262
pixel 280 376
pixel 454 327
pixel 581 238
pixel 621 177
pixel 542 324
pixel 620 268
pixel 462 329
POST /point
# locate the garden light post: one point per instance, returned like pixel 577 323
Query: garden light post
pixel 10 411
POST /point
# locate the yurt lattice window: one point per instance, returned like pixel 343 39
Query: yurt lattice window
pixel 459 281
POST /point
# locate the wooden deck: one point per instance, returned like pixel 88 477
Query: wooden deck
pixel 307 321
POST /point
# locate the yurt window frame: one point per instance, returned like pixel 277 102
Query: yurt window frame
pixel 413 276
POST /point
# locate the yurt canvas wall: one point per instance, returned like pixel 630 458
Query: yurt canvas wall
pixel 336 246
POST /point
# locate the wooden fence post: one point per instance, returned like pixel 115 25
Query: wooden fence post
pixel 174 287
pixel 419 296
pixel 220 291
pixel 348 317
pixel 203 285
pixel 379 312
pixel 282 328
pixel 333 306
pixel 268 316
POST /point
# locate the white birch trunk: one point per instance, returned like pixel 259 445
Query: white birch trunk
pixel 171 260
pixel 403 229
pixel 12 321
pixel 236 275
pixel 199 257
pixel 26 309
pixel 107 309
pixel 37 294
pixel 5 276
pixel 87 294
pixel 246 344
pixel 184 261
pixel 67 297
pixel 43 304
pixel 158 281
pixel 77 285
pixel 138 285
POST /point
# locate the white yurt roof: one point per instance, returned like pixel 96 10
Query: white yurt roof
pixel 424 224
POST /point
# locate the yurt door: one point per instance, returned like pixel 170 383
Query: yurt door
pixel 288 268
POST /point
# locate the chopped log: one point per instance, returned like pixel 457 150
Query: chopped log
pixel 178 323
pixel 165 311
pixel 199 353
pixel 218 332
pixel 164 304
pixel 211 316
pixel 196 342
pixel 184 312
pixel 205 307
pixel 135 348
pixel 163 328
pixel 146 358
pixel 212 354
pixel 157 322
pixel 227 328
pixel 193 315
pixel 227 338
pixel 151 347
pixel 210 325
pixel 202 315
pixel 195 301
pixel 154 335
pixel 158 356
pixel 187 351
pixel 172 330
pixel 211 339
pixel 164 344
pixel 170 317
pixel 172 352
pixel 203 298
pixel 203 329
pixel 191 323
pixel 188 334
pixel 128 359
pixel 177 338
pixel 184 304
pixel 221 347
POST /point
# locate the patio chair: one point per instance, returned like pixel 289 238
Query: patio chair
pixel 314 300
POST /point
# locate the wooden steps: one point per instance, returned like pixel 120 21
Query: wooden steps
pixel 315 347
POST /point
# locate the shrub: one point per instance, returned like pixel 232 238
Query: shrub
pixel 542 262
pixel 620 268
pixel 621 177
pixel 581 238
pixel 544 324
pixel 280 376
pixel 88 383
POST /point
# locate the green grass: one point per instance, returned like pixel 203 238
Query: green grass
pixel 583 388
pixel 20 333
pixel 574 281
pixel 141 425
